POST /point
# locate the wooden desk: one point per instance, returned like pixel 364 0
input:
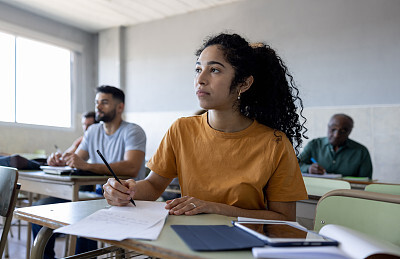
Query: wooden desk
pixel 168 245
pixel 60 186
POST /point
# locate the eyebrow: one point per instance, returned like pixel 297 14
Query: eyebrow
pixel 101 100
pixel 211 63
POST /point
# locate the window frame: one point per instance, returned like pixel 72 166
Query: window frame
pixel 75 74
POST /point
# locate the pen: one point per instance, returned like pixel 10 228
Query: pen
pixel 313 160
pixel 57 149
pixel 112 172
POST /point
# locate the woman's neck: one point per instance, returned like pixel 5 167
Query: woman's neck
pixel 228 121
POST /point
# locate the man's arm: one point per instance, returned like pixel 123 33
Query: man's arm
pixel 366 166
pixel 74 145
pixel 304 159
pixel 130 166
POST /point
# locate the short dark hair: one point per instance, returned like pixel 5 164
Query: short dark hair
pixel 347 117
pixel 90 114
pixel 116 92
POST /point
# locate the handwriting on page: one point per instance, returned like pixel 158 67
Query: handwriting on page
pixel 108 217
pixel 145 221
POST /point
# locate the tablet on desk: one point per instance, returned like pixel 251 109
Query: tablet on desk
pixel 66 170
pixel 280 234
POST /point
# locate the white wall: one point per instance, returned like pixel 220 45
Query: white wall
pixel 20 138
pixel 111 61
pixel 341 52
pixel 343 55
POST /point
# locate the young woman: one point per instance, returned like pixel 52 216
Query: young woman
pixel 237 159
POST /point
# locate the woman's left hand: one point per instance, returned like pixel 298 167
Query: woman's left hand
pixel 189 206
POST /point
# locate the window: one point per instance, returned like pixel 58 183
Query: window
pixel 35 81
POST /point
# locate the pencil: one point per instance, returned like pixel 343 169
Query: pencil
pixel 112 172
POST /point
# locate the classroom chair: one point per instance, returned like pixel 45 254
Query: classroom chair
pixel 383 188
pixel 9 189
pixel 319 186
pixel 376 214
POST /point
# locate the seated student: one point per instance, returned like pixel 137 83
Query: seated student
pixel 174 185
pixel 336 153
pixel 123 144
pixel 88 119
pixel 22 163
pixel 237 159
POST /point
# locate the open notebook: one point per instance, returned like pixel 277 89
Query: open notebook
pixel 352 244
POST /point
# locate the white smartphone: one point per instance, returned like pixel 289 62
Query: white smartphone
pixel 281 234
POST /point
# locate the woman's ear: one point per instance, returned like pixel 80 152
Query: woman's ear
pixel 247 84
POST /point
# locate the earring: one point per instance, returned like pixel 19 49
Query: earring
pixel 239 95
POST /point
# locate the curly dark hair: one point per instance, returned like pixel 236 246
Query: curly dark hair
pixel 273 99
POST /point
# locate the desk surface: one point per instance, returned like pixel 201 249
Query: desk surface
pixel 168 245
pixel 37 174
pixel 60 186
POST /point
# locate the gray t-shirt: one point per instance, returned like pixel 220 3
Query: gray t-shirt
pixel 129 136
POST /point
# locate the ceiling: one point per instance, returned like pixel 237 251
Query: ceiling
pixel 97 15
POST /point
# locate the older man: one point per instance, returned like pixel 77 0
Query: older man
pixel 336 153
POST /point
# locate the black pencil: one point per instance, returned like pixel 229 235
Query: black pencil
pixel 109 168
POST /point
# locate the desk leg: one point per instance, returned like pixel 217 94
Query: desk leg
pixel 71 239
pixel 39 244
pixel 28 239
pixel 71 244
pixel 29 229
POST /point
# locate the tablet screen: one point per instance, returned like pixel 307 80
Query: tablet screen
pixel 278 230
pixel 284 233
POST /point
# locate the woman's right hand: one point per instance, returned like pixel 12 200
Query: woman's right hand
pixel 55 159
pixel 118 194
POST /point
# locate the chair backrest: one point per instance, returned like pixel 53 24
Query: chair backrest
pixel 383 188
pixel 376 214
pixel 9 189
pixel 319 186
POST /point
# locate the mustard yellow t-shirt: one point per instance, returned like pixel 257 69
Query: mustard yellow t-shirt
pixel 243 169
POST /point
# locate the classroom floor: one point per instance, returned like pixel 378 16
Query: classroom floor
pixel 17 247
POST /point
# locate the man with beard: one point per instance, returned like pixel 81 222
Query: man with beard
pixel 121 143
pixel 336 153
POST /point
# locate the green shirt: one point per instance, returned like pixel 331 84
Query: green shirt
pixel 351 159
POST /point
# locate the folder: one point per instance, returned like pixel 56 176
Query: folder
pixel 216 237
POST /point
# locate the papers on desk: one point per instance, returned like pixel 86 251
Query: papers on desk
pixel 145 221
pixel 330 176
pixel 353 244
